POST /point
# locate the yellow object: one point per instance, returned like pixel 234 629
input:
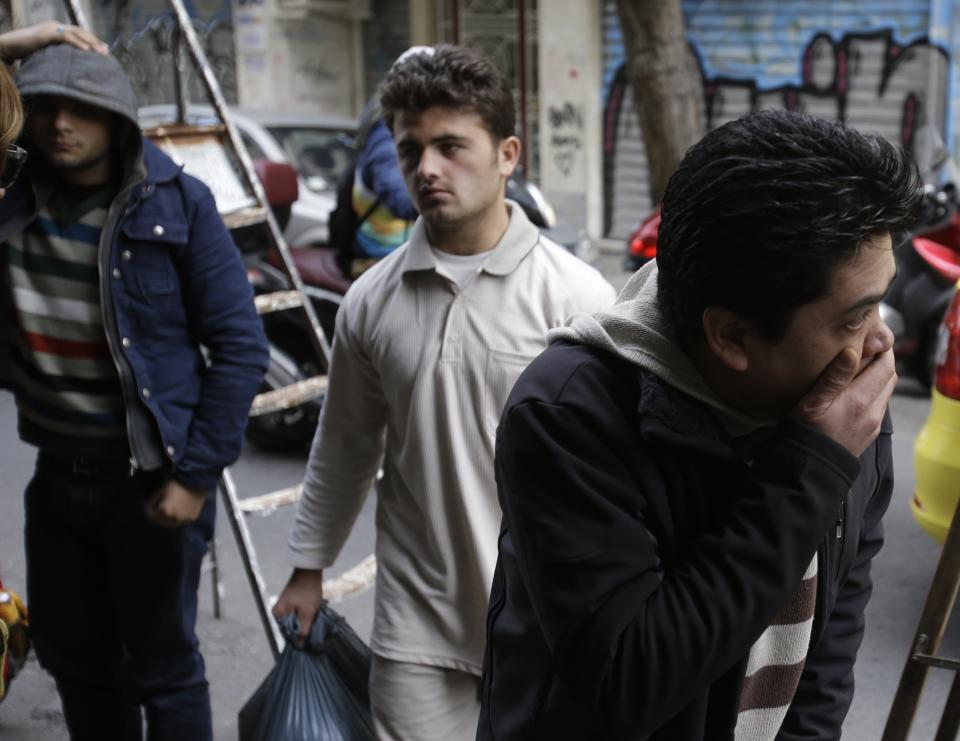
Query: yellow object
pixel 14 641
pixel 4 643
pixel 936 459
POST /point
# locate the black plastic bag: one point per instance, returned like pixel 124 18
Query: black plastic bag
pixel 315 693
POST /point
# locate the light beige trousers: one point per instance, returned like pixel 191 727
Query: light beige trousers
pixel 414 702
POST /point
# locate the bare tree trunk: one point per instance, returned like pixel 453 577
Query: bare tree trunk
pixel 666 86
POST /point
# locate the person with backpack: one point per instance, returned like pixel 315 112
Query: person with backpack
pixel 374 213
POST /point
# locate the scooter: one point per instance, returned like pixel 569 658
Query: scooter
pixel 928 267
pixel 292 356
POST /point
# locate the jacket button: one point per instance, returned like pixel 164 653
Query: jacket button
pixel 159 230
pixel 170 450
pixel 146 393
pixel 116 272
pixel 126 254
pixel 126 342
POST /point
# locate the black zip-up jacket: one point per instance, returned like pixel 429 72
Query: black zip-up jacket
pixel 640 558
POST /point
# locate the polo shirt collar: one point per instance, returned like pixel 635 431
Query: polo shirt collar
pixel 519 238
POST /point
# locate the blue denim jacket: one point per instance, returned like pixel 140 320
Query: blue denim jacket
pixel 171 282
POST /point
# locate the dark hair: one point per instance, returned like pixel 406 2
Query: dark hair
pixel 762 209
pixel 454 77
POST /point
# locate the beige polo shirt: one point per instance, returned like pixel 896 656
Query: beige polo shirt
pixel 420 373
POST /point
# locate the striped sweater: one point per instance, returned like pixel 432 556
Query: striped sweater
pixel 776 663
pixel 66 385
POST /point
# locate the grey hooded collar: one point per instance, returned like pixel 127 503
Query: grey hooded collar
pixel 91 78
pixel 634 329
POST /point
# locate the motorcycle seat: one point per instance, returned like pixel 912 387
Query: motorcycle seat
pixel 318 267
pixel 943 259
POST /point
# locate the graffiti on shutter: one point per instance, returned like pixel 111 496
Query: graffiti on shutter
pixel 875 81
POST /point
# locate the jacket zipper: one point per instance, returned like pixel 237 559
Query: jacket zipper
pixel 823 571
pixel 841 532
pixel 109 233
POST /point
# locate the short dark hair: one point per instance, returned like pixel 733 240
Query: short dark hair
pixel 763 209
pixel 453 77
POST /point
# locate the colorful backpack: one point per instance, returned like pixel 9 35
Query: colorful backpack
pixel 14 642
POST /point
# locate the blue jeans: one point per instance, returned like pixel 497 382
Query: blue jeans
pixel 113 603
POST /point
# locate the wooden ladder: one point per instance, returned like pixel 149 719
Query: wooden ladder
pixel 923 653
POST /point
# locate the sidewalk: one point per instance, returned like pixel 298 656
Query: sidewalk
pixel 235 646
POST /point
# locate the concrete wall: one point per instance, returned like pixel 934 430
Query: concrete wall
pixel 386 35
pixel 570 113
pixel 261 56
pixel 290 62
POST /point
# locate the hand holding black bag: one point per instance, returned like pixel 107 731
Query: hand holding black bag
pixel 315 693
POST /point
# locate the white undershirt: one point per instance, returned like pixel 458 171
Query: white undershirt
pixel 461 268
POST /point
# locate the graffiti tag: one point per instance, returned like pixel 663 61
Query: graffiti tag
pixel 566 135
pixel 866 80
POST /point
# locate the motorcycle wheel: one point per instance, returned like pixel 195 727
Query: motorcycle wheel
pixel 289 429
pixel 286 430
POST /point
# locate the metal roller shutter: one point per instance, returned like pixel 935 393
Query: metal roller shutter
pixel 868 63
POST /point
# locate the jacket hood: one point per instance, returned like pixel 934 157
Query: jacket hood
pixel 634 329
pixel 86 76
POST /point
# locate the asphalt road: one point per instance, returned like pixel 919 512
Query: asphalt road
pixel 238 657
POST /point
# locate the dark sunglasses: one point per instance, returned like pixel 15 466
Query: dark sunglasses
pixel 16 158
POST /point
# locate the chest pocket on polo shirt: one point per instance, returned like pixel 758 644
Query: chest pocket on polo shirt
pixel 503 368
pixel 147 253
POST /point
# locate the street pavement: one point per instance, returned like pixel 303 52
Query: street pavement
pixel 236 650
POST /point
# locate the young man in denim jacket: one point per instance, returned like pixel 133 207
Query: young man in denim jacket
pixel 117 270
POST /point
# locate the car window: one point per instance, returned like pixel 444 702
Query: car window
pixel 252 147
pixel 316 152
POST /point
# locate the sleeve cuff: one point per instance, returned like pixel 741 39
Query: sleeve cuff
pixel 812 442
pixel 205 481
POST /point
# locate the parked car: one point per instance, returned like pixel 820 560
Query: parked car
pixel 936 459
pixel 317 146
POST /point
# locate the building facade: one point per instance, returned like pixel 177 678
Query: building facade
pixel 887 66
